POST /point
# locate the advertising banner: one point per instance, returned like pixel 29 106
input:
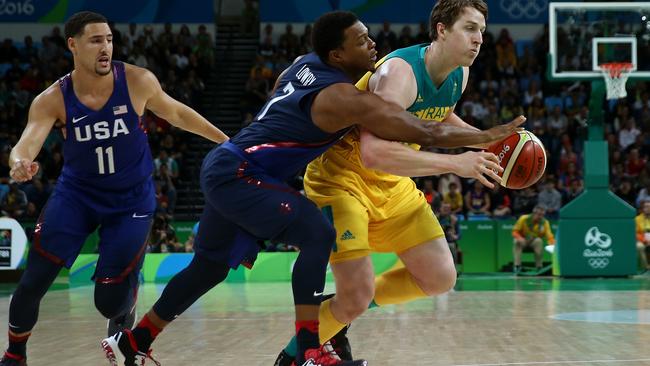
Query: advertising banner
pixel 119 11
pixel 397 11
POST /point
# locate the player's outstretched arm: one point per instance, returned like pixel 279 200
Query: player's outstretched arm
pixel 399 159
pixel 168 108
pixel 342 105
pixel 45 110
pixel 454 119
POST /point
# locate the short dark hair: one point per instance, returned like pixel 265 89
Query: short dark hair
pixel 76 23
pixel 448 11
pixel 329 31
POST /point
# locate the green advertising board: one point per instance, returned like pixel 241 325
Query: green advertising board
pixel 597 236
pixel 477 243
pixel 269 267
pixel 595 248
pixel 486 247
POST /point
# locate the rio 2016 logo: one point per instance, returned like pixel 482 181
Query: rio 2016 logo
pixel 503 153
pixel 518 9
pixel 597 258
pixel 16 7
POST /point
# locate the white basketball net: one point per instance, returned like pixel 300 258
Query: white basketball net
pixel 616 74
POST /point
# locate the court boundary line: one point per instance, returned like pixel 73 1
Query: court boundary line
pixel 552 362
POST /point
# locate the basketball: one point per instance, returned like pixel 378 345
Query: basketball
pixel 522 157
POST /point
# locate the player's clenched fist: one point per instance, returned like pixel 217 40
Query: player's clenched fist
pixel 23 170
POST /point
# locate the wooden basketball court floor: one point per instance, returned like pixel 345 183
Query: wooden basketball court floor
pixel 486 320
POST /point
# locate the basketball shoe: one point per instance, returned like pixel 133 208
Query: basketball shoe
pixel 339 344
pixel 284 359
pixel 9 359
pixel 324 357
pixel 121 349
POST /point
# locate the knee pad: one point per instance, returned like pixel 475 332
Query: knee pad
pixel 114 299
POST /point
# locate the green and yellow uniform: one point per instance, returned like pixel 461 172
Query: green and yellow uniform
pixel 526 228
pixel 642 227
pixel 372 210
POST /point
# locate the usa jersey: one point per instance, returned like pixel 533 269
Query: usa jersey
pixel 108 148
pixel 283 137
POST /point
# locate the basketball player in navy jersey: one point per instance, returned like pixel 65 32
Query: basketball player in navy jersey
pixel 313 105
pixel 106 181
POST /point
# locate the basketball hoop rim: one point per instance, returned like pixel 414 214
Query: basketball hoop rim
pixel 616 69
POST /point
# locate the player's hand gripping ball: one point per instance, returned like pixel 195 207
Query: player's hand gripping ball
pixel 522 157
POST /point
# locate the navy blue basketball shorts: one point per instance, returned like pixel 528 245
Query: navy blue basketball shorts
pixel 244 205
pixel 124 220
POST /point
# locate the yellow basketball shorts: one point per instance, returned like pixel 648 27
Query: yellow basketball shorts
pixel 375 217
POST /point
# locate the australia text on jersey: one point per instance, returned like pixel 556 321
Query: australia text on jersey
pixel 433 113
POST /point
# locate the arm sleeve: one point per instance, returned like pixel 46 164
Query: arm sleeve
pixel 549 234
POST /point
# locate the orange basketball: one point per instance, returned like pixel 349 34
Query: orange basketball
pixel 522 157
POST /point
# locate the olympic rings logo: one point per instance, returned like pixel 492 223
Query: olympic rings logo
pixel 595 237
pixel 518 9
pixel 598 263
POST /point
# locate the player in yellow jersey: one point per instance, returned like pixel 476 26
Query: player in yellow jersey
pixel 362 182
pixel 642 222
pixel 529 232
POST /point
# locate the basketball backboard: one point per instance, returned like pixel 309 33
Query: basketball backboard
pixel 583 36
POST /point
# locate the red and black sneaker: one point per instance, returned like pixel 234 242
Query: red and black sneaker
pixel 284 359
pixel 121 349
pixel 10 359
pixel 323 357
pixel 341 345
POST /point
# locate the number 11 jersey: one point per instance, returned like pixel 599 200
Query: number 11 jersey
pixel 105 149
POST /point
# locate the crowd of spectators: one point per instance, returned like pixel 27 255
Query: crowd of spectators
pixel 180 60
pixel 275 54
pixel 163 238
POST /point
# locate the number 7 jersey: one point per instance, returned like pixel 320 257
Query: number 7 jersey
pixel 283 137
pixel 107 148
